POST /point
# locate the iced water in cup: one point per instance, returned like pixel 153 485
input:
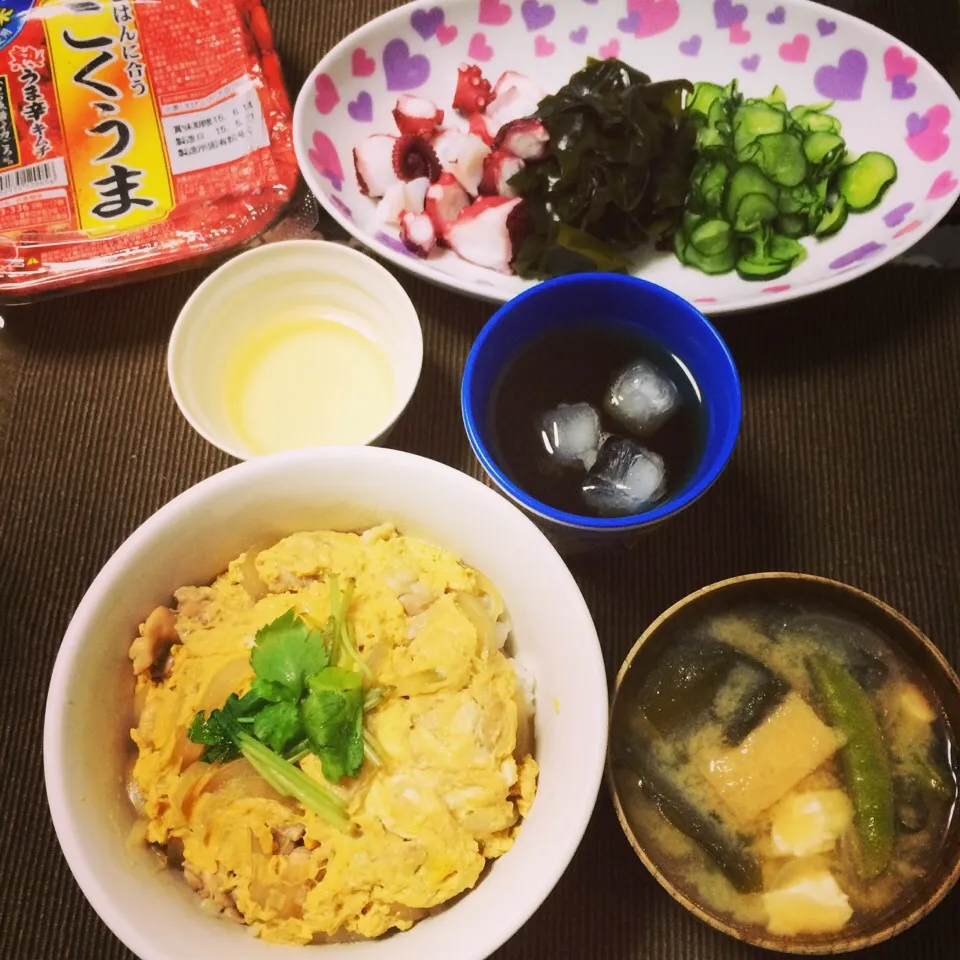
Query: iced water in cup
pixel 601 404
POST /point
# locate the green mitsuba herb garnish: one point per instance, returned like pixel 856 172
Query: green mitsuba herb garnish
pixel 306 698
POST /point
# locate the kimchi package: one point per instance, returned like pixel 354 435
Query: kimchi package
pixel 135 135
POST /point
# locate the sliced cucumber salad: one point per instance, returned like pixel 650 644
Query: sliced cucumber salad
pixel 765 176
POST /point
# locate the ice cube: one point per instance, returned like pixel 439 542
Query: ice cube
pixel 626 479
pixel 571 434
pixel 642 398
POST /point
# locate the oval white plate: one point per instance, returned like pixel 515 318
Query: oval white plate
pixel 887 97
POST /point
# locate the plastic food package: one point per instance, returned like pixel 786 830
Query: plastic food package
pixel 136 137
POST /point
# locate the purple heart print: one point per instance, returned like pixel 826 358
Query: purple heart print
pixel 844 81
pixel 404 72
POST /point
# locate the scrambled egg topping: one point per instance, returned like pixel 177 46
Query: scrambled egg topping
pixel 456 778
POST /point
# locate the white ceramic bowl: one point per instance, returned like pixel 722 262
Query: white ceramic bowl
pixel 190 540
pixel 888 98
pixel 254 288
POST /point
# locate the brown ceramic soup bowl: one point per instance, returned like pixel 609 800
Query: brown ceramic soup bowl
pixel 912 648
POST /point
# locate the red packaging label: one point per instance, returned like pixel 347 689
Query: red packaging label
pixel 134 134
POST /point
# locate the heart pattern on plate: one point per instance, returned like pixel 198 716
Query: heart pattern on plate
pixel 630 23
pixel 897 64
pixel 362 65
pixel 796 50
pixel 726 13
pixel 901 88
pixel 403 70
pixel 325 160
pixel 361 109
pixel 656 16
pixel 610 50
pixel 537 16
pixel 812 54
pixel 542 47
pixel 897 215
pixel 494 12
pixel 926 135
pixel 479 49
pixel 325 93
pixel 425 22
pixel 943 186
pixel 845 80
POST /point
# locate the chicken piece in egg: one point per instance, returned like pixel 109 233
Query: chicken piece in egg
pixel 453 773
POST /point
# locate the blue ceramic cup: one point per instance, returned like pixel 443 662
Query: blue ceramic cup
pixel 655 313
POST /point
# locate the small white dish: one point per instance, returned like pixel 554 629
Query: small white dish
pixel 325 282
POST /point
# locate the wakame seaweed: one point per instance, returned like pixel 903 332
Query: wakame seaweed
pixel 730 851
pixel 615 175
pixel 681 689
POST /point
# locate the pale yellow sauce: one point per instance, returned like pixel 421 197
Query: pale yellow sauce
pixel 302 381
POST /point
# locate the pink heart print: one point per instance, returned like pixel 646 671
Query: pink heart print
pixel 494 12
pixel 909 228
pixel 611 50
pixel 323 156
pixel 446 34
pixel 542 47
pixel 327 97
pixel 479 49
pixel 796 50
pixel 943 186
pixel 361 64
pixel 739 35
pixel 925 135
pixel 656 16
pixel 895 64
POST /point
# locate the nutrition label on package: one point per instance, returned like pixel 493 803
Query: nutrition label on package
pixel 221 128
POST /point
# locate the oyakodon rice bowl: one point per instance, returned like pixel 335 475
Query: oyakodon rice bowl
pixel 193 540
pixel 394 696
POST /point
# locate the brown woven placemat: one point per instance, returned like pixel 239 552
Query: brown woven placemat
pixel 848 466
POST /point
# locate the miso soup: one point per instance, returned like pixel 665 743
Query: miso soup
pixel 785 768
pixel 597 420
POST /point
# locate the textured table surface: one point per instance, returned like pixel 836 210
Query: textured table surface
pixel 848 466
